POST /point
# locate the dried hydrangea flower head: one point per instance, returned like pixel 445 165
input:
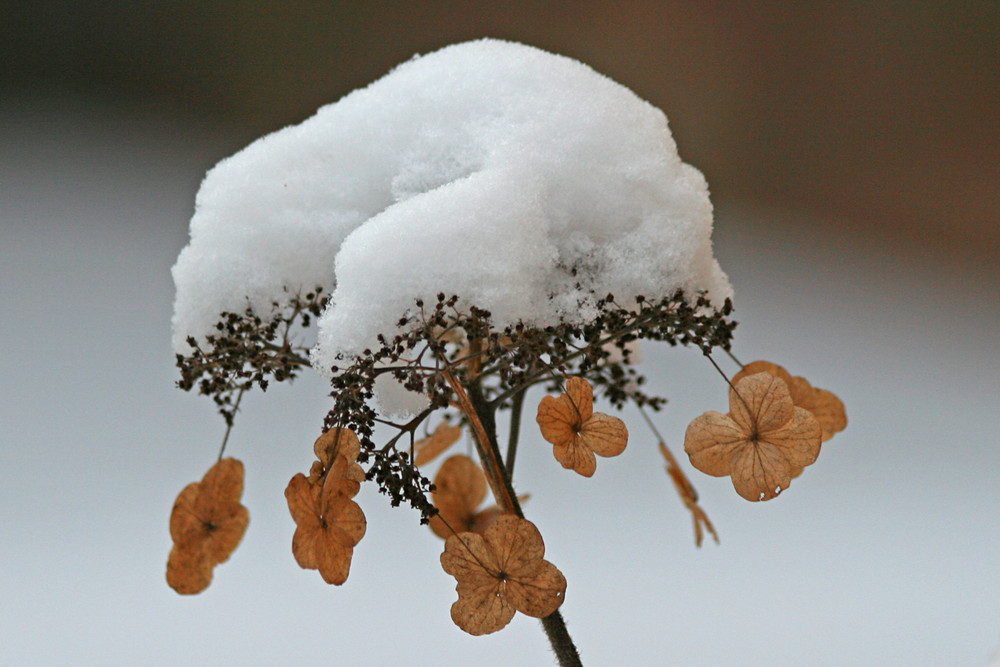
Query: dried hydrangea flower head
pixel 761 444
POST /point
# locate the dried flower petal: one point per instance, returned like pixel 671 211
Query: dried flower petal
pixel 459 489
pixel 337 451
pixel 763 441
pixel 207 523
pixel 500 572
pixel 824 405
pixel 429 448
pixel 576 432
pixel 188 570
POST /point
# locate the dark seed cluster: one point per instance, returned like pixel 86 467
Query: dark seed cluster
pixel 249 349
pixel 449 339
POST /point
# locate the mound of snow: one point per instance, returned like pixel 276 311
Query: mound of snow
pixel 522 181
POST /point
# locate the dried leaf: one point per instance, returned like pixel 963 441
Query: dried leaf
pixel 824 405
pixel 429 448
pixel 328 527
pixel 207 523
pixel 576 432
pixel 501 572
pixel 763 441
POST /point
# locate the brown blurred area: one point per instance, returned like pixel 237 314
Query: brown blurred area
pixel 870 115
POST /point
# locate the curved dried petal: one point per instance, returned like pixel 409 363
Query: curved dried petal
pixel 188 570
pixel 763 367
pixel 461 482
pixel 304 544
pixel 183 520
pixel 760 402
pixel 302 498
pixel 575 455
pixel 580 395
pixel 345 476
pixel 460 487
pixel 798 440
pixel 466 557
pixel 345 522
pixel 517 543
pixel 337 442
pixel 333 560
pixel 558 420
pixel 710 442
pixel 539 595
pixel 482 610
pixel 429 448
pixel 224 480
pixel 826 407
pixel 605 435
pixel 760 472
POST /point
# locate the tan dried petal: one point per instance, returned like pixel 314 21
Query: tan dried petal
pixel 427 449
pixel 824 405
pixel 183 520
pixel 710 442
pixel 189 571
pixel 460 487
pixel 337 442
pixel 763 367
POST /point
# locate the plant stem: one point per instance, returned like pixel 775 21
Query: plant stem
pixel 482 419
pixel 517 403
pixel 562 643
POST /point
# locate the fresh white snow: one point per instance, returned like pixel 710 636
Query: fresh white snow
pixel 522 181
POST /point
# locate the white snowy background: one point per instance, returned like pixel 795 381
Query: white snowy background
pixel 886 552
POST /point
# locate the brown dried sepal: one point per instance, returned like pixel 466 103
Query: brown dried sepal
pixel 576 432
pixel 459 490
pixel 337 451
pixel 427 449
pixel 207 523
pixel 500 572
pixel 762 443
pixel 328 525
pixel 824 405
pixel 688 496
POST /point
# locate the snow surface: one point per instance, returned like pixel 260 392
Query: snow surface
pixel 522 181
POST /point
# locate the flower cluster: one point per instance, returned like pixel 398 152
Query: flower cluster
pixel 467 370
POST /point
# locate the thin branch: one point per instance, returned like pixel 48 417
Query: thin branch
pixel 517 403
pixel 229 422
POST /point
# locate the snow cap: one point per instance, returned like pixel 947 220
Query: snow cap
pixel 524 182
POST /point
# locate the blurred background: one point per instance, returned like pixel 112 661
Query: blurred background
pixel 853 152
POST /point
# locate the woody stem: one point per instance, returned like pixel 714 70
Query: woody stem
pixel 482 419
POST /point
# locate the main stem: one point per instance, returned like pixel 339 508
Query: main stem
pixel 482 418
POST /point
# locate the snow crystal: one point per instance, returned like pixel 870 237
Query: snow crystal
pixel 522 181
